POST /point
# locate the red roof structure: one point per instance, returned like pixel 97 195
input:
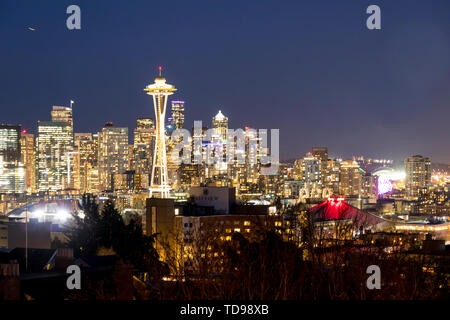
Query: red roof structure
pixel 338 209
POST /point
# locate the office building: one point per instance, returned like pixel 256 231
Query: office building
pixel 418 175
pixel 12 174
pixel 112 154
pixel 178 114
pixel 220 123
pixel 311 169
pixel 62 114
pixel 86 176
pixel 144 140
pixel 320 153
pixel 350 179
pixel 54 156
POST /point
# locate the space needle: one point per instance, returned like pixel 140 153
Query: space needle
pixel 160 90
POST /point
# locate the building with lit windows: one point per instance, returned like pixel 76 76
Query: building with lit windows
pixel 350 179
pixel 144 143
pixel 112 154
pixel 320 153
pixel 217 146
pixel 178 114
pixel 369 184
pixel 62 114
pixel 311 169
pixel 54 156
pixel 220 123
pixel 12 173
pixel 332 176
pixel 191 231
pixel 245 175
pixel 28 159
pixel 86 174
pixel 418 175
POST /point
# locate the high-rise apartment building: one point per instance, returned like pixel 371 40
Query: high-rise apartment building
pixel 350 179
pixel 321 153
pixel 28 159
pixel 418 175
pixel 12 175
pixel 112 154
pixel 332 176
pixel 369 186
pixel 54 156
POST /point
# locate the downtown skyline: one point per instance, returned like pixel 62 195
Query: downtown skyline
pixel 379 94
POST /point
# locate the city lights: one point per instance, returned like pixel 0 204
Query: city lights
pixel 303 155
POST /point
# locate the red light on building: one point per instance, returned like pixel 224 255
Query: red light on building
pixel 24 131
pixel 340 199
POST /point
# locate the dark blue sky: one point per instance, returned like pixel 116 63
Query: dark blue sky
pixel 310 68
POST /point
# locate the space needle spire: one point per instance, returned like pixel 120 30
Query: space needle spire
pixel 160 90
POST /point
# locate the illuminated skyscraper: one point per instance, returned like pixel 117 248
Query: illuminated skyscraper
pixel 311 169
pixel 144 141
pixel 112 154
pixel 160 90
pixel 418 175
pixel 332 176
pixel 245 175
pixel 178 114
pixel 62 114
pixel 86 177
pixel 220 123
pixel 12 175
pixel 350 179
pixel 28 159
pixel 54 155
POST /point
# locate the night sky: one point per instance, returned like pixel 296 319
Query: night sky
pixel 310 68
